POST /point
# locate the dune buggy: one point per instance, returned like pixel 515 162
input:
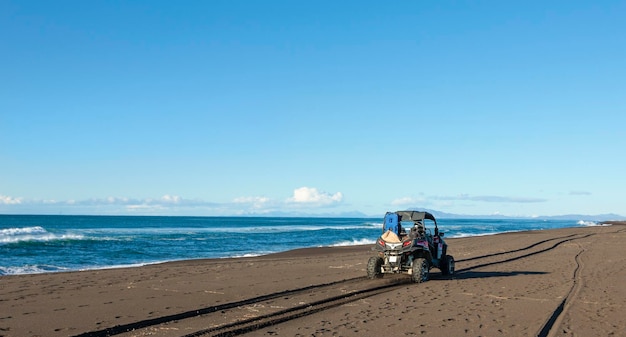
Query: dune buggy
pixel 414 252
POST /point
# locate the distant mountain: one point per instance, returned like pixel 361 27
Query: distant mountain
pixel 583 217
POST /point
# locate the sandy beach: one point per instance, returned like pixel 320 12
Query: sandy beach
pixel 564 282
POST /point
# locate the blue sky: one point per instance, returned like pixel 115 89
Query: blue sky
pixel 312 107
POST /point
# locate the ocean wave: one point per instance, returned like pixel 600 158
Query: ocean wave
pixel 467 235
pixel 31 269
pixel 21 231
pixel 118 266
pixel 354 242
pixel 36 233
pixel 592 224
pixel 40 269
pixel 238 256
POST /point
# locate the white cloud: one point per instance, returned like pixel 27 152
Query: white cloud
pixel 118 201
pixel 311 196
pixel 171 199
pixel 6 200
pixel 250 200
pixel 407 201
pixel 253 202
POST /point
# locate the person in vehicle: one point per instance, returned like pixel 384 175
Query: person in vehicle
pixel 418 230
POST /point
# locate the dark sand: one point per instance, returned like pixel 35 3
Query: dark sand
pixel 564 282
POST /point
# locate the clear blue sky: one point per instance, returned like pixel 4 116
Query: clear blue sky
pixel 314 107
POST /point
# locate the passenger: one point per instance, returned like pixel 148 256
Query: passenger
pixel 418 229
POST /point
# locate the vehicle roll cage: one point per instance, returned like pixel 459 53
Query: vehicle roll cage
pixel 415 216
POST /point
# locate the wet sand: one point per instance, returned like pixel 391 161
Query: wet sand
pixel 563 282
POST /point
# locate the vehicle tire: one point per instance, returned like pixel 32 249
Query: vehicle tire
pixel 447 265
pixel 374 267
pixel 420 270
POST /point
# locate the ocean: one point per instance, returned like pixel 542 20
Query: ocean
pixel 54 243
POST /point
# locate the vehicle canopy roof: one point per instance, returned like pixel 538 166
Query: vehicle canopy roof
pixel 414 216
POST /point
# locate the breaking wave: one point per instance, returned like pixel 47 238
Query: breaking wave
pixel 30 269
pixel 592 223
pixel 35 233
pixel 354 242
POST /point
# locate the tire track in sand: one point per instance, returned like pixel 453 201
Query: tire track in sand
pixel 525 255
pixel 366 290
pixel 557 316
pixel 260 322
pixel 119 329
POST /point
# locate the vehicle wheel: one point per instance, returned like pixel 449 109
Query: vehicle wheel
pixel 420 270
pixel 374 267
pixel 447 265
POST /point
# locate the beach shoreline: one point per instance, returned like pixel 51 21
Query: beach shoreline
pixel 43 244
pixel 506 284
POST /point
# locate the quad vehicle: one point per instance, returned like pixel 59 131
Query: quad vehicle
pixel 413 253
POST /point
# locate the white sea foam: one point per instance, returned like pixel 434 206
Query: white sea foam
pixel 592 223
pixel 354 242
pixel 21 231
pixel 30 269
pixel 118 266
pixel 242 255
pixel 36 233
pixel 466 235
